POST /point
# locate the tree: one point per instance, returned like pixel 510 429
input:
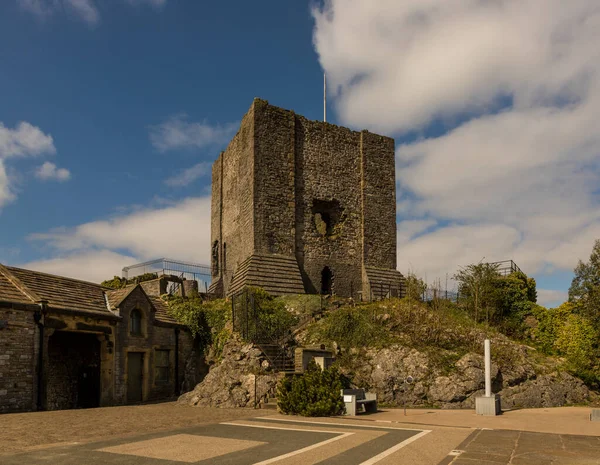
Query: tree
pixel 585 287
pixel 477 285
pixel 115 283
pixel 515 295
pixel 415 287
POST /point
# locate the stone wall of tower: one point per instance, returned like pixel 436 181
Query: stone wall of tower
pixel 378 200
pixel 232 216
pixel 328 176
pixel 317 192
pixel 274 198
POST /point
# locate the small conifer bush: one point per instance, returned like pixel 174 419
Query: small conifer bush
pixel 316 393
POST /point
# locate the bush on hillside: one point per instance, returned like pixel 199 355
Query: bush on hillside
pixel 316 393
pixel 271 321
pixel 563 331
pixel 352 327
pixel 205 319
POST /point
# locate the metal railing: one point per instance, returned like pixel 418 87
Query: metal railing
pixel 506 267
pixel 165 266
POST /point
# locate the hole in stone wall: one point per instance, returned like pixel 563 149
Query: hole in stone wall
pixel 327 215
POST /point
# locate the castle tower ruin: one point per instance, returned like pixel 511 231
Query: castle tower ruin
pixel 303 206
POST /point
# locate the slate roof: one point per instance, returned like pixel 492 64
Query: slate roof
pixel 22 286
pixel 116 296
pixel 61 292
pixel 10 292
pixel 162 309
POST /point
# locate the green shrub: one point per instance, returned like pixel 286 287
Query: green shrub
pixel 205 319
pixel 353 327
pixel 316 393
pixel 271 321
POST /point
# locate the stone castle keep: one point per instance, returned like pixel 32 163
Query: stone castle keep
pixel 303 206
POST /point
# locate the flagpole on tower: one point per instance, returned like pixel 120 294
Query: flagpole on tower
pixel 324 97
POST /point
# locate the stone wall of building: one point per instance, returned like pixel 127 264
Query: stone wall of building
pixel 155 336
pixel 18 356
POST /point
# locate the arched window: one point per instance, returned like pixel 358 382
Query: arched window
pixel 135 327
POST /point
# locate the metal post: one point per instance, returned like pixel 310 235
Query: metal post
pixel 488 369
pixel 233 311
pixel 324 97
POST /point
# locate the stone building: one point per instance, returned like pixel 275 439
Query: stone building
pixel 303 206
pixel 66 343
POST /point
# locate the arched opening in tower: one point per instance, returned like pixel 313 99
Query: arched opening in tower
pixel 326 281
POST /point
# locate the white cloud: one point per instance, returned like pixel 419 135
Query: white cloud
pixel 85 10
pixel 178 133
pixel 551 298
pixel 25 140
pixel 189 175
pixel 180 231
pixel 49 171
pixel 6 194
pixel 516 84
pixel 154 3
pixel 94 266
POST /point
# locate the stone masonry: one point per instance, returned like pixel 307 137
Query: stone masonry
pixel 66 343
pixel 303 206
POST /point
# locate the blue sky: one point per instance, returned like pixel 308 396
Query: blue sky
pixel 112 112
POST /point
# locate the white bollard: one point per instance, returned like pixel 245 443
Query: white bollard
pixel 490 403
pixel 488 369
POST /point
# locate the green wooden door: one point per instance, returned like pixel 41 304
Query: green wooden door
pixel 135 373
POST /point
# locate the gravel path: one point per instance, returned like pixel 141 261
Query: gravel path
pixel 24 431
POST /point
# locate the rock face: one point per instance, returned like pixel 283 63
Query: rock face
pixel 240 379
pixel 456 385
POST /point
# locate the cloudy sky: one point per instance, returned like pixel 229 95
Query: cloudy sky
pixel 112 113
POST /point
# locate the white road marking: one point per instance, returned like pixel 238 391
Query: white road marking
pixel 286 429
pixel 397 447
pixel 341 424
pixel 371 461
pixel 299 451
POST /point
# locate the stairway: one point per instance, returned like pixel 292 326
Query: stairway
pixel 280 361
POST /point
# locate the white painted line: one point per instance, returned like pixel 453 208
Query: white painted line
pixel 341 424
pixel 391 450
pixel 286 429
pixel 306 449
pixel 299 451
pixel 455 452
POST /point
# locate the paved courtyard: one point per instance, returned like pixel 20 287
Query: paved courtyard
pixel 168 434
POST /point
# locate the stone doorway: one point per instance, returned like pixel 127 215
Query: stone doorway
pixel 135 373
pixel 326 281
pixel 73 371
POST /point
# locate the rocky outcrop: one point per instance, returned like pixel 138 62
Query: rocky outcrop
pixel 240 379
pixel 552 390
pixel 457 384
